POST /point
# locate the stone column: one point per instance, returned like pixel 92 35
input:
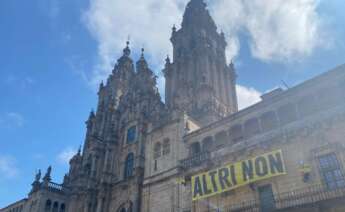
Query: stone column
pixel 100 205
pixel 93 166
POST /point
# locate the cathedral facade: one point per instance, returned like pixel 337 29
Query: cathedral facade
pixel 195 151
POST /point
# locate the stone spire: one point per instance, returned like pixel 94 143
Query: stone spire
pixel 89 121
pixel 167 62
pixel 101 86
pixel 197 16
pixel 92 114
pixel 199 81
pixel 126 51
pixel 36 184
pixel 38 176
pixel 146 79
pixel 142 64
pixel 79 151
pixel 124 68
pixel 47 176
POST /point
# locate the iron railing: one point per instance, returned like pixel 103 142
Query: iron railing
pixel 195 160
pixel 296 198
pixel 55 187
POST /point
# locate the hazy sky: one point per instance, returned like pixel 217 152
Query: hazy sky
pixel 53 53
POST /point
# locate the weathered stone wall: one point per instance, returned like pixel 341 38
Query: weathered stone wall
pixel 315 131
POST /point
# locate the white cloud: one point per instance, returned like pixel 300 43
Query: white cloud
pixel 247 96
pixel 12 120
pixel 66 155
pixel 278 30
pixel 16 118
pixel 147 22
pixel 38 156
pixel 17 81
pixel 8 167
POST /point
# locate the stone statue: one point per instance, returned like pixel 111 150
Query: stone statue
pixel 47 177
pixel 49 170
pixel 38 176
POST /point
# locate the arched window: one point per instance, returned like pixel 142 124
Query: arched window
pixel 269 121
pixel 157 150
pixel 207 144
pixel 155 167
pixel 126 207
pixel 48 206
pixel 166 146
pixel 325 100
pixel 56 207
pixel 252 127
pixel 62 208
pixel 129 165
pixel 287 113
pixel 95 206
pixel 88 165
pixel 130 207
pixel 236 133
pixel 307 105
pixel 221 138
pixel 131 135
pixel 195 148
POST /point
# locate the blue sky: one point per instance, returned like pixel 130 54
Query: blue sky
pixel 54 52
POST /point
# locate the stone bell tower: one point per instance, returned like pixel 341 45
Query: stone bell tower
pixel 198 80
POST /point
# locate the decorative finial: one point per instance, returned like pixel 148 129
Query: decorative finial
pixel 38 176
pixel 101 86
pixel 92 114
pixel 79 150
pixel 142 52
pixel 142 64
pixel 128 39
pixel 167 60
pixel 222 33
pixel 232 67
pixel 47 176
pixel 127 51
pixel 174 28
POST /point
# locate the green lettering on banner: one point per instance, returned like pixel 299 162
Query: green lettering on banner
pixel 233 174
pixel 276 163
pixel 223 175
pixel 261 167
pixel 205 187
pixel 247 170
pixel 237 174
pixel 197 188
pixel 213 180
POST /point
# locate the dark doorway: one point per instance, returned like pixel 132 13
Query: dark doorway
pixel 266 199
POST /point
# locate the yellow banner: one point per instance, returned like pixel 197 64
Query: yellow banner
pixel 235 175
